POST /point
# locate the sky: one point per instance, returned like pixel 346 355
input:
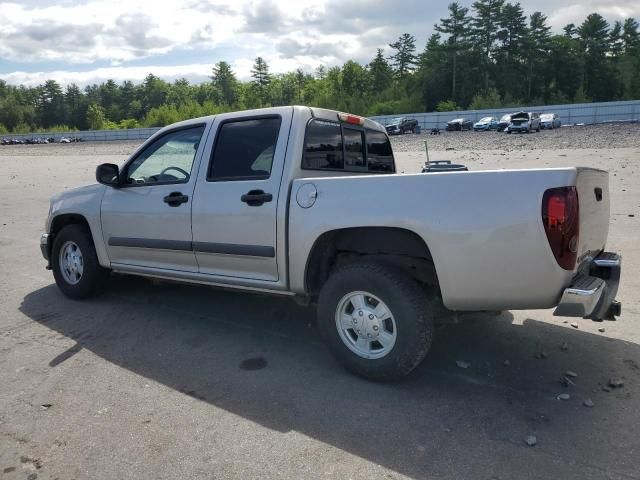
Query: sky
pixel 89 41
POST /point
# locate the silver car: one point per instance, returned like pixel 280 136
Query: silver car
pixel 524 122
pixel 550 121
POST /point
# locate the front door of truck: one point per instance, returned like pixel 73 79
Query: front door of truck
pixel 147 221
pixel 235 202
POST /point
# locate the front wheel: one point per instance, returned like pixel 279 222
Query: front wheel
pixel 74 262
pixel 376 320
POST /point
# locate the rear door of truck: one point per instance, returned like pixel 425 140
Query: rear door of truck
pixel 593 200
pixel 235 202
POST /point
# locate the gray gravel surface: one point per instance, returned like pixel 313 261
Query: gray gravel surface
pixel 624 135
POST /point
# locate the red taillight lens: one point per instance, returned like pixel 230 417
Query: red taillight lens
pixel 561 219
pixel 349 118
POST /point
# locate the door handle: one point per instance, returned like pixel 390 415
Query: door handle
pixel 174 199
pixel 255 198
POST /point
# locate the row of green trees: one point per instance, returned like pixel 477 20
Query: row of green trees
pixel 488 56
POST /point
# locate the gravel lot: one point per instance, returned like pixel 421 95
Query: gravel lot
pixel 164 381
pixel 623 135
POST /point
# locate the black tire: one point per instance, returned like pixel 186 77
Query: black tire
pixel 413 311
pixel 93 275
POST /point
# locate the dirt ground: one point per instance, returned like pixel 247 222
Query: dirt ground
pixel 166 381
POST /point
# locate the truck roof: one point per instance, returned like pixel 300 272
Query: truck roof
pixel 316 112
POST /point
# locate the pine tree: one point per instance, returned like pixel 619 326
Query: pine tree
pixel 260 72
pixel 225 83
pixel 261 80
pixel 404 60
pixel 485 27
pixel 594 36
pixel 456 26
pixel 630 34
pixel 536 47
pixel 381 72
pixel 95 117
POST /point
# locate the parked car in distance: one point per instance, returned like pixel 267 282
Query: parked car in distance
pixel 459 124
pixel 402 125
pixel 486 123
pixel 550 121
pixel 287 201
pixel 504 122
pixel 524 122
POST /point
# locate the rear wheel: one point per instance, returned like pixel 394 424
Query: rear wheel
pixel 74 262
pixel 376 320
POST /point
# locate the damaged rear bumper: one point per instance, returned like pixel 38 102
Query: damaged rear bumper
pixel 592 293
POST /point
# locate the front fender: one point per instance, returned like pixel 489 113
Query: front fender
pixel 85 202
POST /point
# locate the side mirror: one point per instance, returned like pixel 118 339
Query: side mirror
pixel 108 174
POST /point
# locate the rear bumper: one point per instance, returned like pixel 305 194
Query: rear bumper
pixel 592 294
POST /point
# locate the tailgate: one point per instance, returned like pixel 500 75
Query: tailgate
pixel 593 200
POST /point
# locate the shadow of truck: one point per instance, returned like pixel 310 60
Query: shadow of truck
pixel 262 358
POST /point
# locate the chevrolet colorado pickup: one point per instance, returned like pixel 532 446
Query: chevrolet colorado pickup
pixel 307 202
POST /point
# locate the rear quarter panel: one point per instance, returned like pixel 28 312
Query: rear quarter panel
pixel 484 230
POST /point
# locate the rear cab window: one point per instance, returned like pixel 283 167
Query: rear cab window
pixel 244 149
pixel 347 148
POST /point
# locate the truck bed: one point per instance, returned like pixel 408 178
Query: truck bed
pixel 484 229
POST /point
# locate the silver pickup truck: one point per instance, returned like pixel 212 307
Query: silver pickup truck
pixel 307 202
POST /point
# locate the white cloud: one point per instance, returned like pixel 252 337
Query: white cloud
pixel 289 34
pixel 577 12
pixel 113 30
pixel 194 72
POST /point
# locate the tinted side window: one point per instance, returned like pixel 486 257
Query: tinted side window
pixel 244 149
pixel 323 146
pixel 353 148
pixel 379 153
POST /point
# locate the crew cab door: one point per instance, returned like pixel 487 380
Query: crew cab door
pixel 147 221
pixel 236 198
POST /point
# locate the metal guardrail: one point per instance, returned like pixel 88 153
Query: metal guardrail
pixel 91 135
pixel 587 113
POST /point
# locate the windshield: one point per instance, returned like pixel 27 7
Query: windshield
pixel 486 119
pixel 395 121
pixel 546 116
pixel 506 118
pixel 457 120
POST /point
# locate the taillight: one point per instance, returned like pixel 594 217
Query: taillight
pixel 349 118
pixel 560 216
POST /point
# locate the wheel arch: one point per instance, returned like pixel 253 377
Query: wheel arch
pixel 402 247
pixel 61 220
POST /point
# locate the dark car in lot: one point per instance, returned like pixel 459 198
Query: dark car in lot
pixel 402 125
pixel 459 124
pixel 504 122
